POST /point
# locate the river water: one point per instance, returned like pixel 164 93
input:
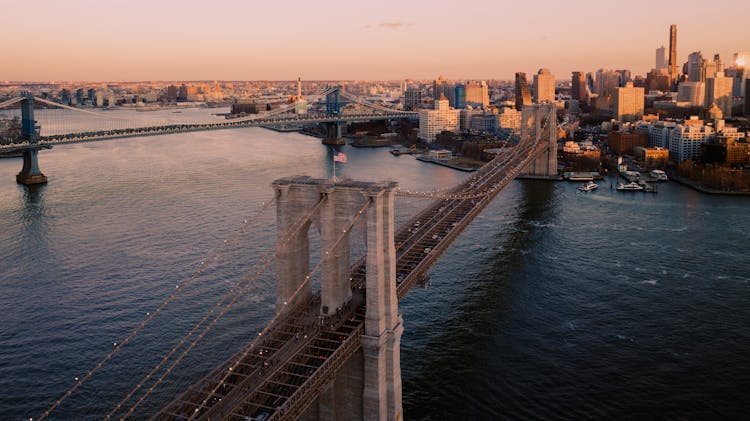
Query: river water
pixel 552 304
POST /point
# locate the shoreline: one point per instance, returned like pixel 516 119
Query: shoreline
pixel 706 190
pixel 446 164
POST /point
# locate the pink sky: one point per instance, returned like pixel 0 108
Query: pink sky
pixel 385 39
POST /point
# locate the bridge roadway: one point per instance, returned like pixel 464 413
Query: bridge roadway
pixel 278 377
pixel 89 136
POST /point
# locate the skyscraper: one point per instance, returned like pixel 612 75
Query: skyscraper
pixel 629 102
pixel 412 98
pixel 544 86
pixel 625 76
pixel 692 92
pixel 696 67
pixel 477 94
pixel 719 63
pixel 460 96
pixel 661 58
pixel 579 86
pixel 439 87
pixel 673 53
pixel 747 97
pixel 606 82
pixel 719 92
pixel 523 96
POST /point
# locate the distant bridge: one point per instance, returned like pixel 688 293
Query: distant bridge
pixel 31 141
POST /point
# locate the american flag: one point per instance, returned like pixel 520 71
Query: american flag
pixel 339 157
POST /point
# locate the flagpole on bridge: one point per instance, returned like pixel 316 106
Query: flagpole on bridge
pixel 337 157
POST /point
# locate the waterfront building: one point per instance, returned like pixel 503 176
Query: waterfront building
pixel 523 95
pixel 629 103
pixel 652 157
pixel 245 106
pixel 737 153
pixel 685 141
pixel 544 86
pixel 578 86
pixel 623 142
pixel 658 132
pixel 441 118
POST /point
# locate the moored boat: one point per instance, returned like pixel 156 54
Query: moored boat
pixel 630 187
pixel 659 175
pixel 588 186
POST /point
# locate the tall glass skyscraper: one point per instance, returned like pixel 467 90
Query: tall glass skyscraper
pixel 460 96
pixel 523 95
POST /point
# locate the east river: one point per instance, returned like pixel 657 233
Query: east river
pixel 552 304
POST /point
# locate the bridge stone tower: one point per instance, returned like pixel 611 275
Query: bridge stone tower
pixel 369 386
pixel 532 117
pixel 333 130
pixel 30 173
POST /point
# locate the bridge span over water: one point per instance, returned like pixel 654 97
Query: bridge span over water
pixel 333 353
pixel 31 141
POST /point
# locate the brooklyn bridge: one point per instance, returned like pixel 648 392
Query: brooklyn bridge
pixel 331 352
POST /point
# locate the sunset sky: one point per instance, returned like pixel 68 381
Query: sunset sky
pixel 387 39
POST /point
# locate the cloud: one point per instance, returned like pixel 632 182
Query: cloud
pixel 389 25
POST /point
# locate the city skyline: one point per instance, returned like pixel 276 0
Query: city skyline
pixel 85 40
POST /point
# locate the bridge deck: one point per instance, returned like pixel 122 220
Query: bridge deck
pixel 280 377
pixel 89 136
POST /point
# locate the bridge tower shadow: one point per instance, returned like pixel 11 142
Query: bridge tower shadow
pixel 369 385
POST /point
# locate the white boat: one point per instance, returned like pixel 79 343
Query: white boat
pixel 588 186
pixel 630 187
pixel 659 175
